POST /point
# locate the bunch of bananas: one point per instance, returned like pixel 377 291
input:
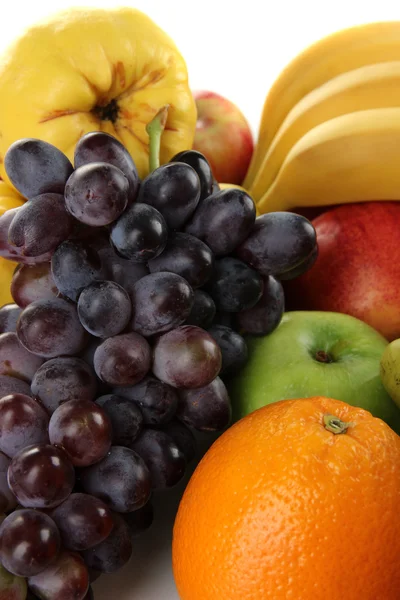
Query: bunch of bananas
pixel 330 128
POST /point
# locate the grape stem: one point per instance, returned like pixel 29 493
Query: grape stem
pixel 155 129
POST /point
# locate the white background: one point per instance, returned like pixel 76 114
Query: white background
pixel 236 49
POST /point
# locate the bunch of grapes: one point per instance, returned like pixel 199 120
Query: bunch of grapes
pixel 131 301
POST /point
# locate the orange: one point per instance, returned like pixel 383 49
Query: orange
pixel 300 500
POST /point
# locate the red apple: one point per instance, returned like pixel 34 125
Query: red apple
pixel 224 137
pixel 358 267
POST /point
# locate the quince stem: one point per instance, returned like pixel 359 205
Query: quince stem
pixel 335 425
pixel 155 129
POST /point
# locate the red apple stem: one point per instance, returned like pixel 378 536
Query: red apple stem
pixel 155 129
pixel 335 425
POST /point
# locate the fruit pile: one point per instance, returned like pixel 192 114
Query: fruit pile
pixel 129 299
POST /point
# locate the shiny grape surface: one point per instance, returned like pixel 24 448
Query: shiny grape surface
pixel 123 359
pixel 31 283
pixel 160 302
pixel 36 167
pixel 234 286
pixel 75 265
pixel 65 579
pixel 203 310
pixel 157 400
pixel 122 480
pixel 112 554
pixel 12 385
pixel 121 270
pixel 183 438
pixel 23 422
pixel 233 348
pixel 7 499
pixel 12 252
pixel 202 167
pixel 140 520
pixel 207 408
pixel 300 269
pixel 29 542
pixel 126 418
pixel 104 308
pixel 15 360
pixel 266 315
pixel 9 315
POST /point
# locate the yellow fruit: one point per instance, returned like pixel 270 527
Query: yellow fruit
pixel 373 86
pixel 353 158
pixel 94 69
pixel 9 198
pixel 335 54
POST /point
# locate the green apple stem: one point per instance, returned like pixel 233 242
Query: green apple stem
pixel 155 129
pixel 335 425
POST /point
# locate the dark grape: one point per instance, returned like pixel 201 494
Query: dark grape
pixel 31 283
pixel 187 357
pixel 186 256
pixel 29 542
pixel 233 348
pixel 215 187
pixel 12 587
pixel 7 499
pixel 123 359
pixel 23 422
pixel 36 167
pixel 74 266
pixel 12 252
pixel 15 360
pixel 160 302
pixel 83 521
pixel 183 438
pixel 140 234
pixel 12 385
pixel 41 476
pixel 83 430
pixel 104 308
pixel 98 146
pixel 300 269
pixel 123 271
pixel 224 318
pixel 207 408
pixel 89 595
pixel 202 167
pixel 278 242
pixel 157 400
pixel 97 194
pixel 61 379
pixel 174 190
pixel 162 456
pixel 40 225
pixel 223 220
pixel 112 554
pixel 140 520
pixel 266 315
pixel 65 579
pixel 9 315
pixel 121 480
pixel 126 418
pixel 234 286
pixel 50 328
pixel 203 310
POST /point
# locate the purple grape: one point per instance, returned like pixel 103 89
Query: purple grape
pixel 12 587
pixel 15 360
pixel 140 234
pixel 121 270
pixel 61 379
pixel 126 418
pixel 123 359
pixel 23 422
pixel 36 167
pixel 40 225
pixel 121 480
pixel 12 385
pixel 65 579
pixel 207 408
pixel 225 319
pixel 140 520
pixel 202 167
pixel 41 476
pixel 31 283
pixel 97 193
pixel 233 349
pixel 278 242
pixel 104 308
pixel 98 146
pixel 29 542
pixel 223 220
pixel 182 437
pixel 12 252
pixel 162 456
pixel 83 430
pixel 234 286
pixel 203 310
pixel 160 302
pixel 187 357
pixel 7 499
pixel 186 256
pixel 112 554
pixel 157 400
pixel 174 190
pixel 74 266
pixel 83 521
pixel 50 328
pixel 300 269
pixel 9 315
pixel 266 315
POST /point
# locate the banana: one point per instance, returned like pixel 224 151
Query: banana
pixel 373 86
pixel 333 55
pixel 352 158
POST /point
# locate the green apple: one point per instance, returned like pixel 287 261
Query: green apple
pixel 313 353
